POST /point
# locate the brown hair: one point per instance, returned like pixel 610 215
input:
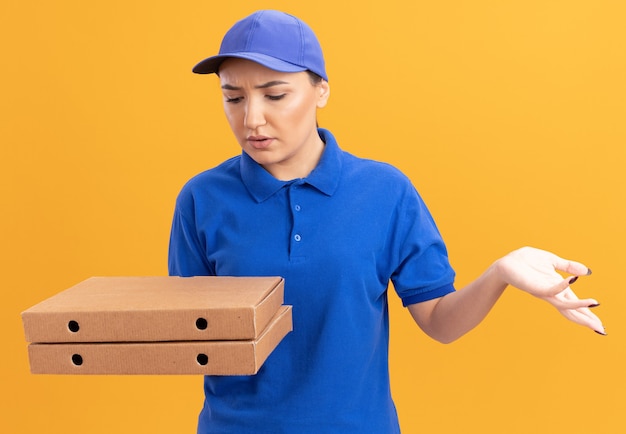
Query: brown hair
pixel 314 78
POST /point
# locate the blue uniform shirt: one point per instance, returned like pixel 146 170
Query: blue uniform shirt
pixel 338 237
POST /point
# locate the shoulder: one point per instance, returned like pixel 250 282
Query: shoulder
pixel 211 183
pixel 358 169
pixel 224 172
pixel 373 173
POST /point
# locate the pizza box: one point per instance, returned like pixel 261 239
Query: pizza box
pixel 156 309
pixel 241 357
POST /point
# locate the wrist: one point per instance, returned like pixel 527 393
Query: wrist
pixel 497 272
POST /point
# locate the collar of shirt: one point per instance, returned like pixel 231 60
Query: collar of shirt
pixel 325 177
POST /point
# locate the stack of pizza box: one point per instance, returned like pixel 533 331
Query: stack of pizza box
pixel 158 325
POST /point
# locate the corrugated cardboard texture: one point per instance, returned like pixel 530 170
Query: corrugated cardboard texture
pixel 205 358
pixel 148 309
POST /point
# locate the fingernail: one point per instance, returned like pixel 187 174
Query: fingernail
pixel 594 305
pixel 588 271
pixel 573 279
pixel 600 333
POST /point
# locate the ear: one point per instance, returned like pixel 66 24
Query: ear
pixel 324 93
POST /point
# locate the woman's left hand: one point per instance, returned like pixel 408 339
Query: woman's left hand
pixel 535 271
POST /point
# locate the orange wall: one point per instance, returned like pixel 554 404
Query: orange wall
pixel 508 116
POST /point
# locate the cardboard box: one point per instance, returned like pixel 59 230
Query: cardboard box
pixel 206 358
pixel 150 309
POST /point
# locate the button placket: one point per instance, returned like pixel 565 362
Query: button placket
pixel 296 217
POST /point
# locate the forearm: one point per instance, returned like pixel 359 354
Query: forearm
pixel 528 269
pixel 450 317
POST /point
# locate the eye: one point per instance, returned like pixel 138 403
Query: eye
pixel 233 100
pixel 275 97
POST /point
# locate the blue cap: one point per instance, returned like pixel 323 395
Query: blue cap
pixel 274 39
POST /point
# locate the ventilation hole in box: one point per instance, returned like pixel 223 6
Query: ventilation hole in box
pixel 77 359
pixel 201 324
pixel 202 359
pixel 73 326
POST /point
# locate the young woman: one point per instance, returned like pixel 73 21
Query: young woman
pixel 338 229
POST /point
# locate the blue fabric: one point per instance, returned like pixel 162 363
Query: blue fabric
pixel 337 237
pixel 274 39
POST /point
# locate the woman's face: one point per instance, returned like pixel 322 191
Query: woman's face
pixel 273 116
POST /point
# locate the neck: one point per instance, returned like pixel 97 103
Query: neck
pixel 300 165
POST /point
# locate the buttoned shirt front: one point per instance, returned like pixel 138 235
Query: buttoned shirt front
pixel 338 237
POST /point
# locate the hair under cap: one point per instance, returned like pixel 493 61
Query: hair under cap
pixel 274 39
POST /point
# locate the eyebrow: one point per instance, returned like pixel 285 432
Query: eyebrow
pixel 260 86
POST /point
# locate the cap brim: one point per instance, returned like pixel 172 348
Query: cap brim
pixel 211 65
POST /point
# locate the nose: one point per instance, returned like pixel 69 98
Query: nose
pixel 255 115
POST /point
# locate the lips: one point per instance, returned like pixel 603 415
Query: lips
pixel 259 142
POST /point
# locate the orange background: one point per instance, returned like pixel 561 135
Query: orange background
pixel 509 116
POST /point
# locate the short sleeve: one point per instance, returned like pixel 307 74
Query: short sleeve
pixel 423 270
pixel 187 255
